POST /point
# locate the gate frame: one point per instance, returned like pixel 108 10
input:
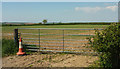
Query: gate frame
pixel 16 34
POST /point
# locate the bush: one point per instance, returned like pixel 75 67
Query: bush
pixel 107 44
pixel 8 47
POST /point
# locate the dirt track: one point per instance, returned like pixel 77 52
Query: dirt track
pixel 48 60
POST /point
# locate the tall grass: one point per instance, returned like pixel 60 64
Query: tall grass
pixel 8 47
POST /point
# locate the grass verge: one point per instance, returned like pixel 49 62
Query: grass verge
pixel 8 47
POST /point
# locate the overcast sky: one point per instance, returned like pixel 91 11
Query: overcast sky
pixel 60 11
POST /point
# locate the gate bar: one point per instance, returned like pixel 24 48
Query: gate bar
pixel 59 39
pixel 61 28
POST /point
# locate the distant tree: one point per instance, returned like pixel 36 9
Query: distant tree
pixel 53 22
pixel 60 22
pixel 40 23
pixel 44 21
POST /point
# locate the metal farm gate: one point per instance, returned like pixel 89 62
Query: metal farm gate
pixel 55 40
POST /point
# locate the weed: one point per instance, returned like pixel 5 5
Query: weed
pixel 8 47
pixel 30 65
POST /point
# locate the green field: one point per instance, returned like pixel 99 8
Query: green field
pixel 10 29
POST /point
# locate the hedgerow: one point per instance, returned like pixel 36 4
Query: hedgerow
pixel 107 44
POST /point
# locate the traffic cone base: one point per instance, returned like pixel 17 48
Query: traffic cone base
pixel 20 52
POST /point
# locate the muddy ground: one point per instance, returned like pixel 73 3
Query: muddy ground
pixel 49 60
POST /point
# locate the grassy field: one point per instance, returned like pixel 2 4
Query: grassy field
pixel 51 34
pixel 9 29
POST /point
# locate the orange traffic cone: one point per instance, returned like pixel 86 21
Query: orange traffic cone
pixel 20 52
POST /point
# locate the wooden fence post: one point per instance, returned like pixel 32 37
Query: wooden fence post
pixel 16 37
